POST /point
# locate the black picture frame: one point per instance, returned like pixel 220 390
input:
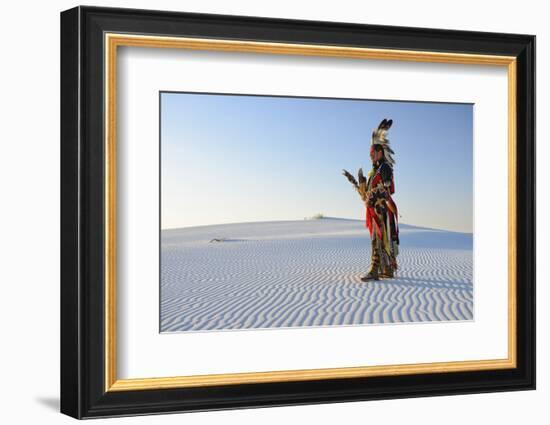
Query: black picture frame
pixel 83 392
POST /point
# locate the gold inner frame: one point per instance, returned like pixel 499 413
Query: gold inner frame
pixel 113 41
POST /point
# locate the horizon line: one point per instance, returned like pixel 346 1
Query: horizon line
pixel 306 219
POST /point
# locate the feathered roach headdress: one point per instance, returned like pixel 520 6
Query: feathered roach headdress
pixel 379 138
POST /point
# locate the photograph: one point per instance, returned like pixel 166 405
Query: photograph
pixel 291 212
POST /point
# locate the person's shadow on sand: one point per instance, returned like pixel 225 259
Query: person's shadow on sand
pixel 428 283
pixel 435 239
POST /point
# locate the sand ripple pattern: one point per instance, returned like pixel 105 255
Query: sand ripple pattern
pixel 307 273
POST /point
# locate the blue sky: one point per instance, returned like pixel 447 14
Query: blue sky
pixel 238 158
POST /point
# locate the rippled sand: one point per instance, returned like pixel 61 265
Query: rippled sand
pixel 307 273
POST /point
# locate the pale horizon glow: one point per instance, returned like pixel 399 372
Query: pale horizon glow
pixel 240 158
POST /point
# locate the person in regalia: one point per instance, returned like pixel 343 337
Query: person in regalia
pixel 381 211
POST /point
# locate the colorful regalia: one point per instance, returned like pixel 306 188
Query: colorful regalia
pixel 381 211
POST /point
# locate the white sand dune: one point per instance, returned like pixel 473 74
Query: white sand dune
pixel 307 273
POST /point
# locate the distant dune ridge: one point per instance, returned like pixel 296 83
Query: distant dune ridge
pixel 307 273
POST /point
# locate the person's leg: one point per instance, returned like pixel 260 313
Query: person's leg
pixel 373 272
pixel 386 262
pixel 384 268
pixel 394 242
pixel 387 272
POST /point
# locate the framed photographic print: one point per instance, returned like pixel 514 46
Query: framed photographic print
pixel 261 212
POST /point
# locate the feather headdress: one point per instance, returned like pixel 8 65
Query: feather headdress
pixel 379 138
